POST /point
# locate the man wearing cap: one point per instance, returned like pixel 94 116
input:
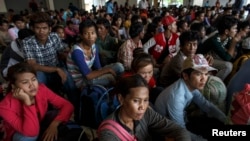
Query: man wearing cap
pixel 174 100
pixel 188 46
pixel 163 46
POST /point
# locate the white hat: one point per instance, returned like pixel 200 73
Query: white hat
pixel 197 62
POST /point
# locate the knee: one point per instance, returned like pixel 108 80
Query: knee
pixel 228 66
pixel 119 68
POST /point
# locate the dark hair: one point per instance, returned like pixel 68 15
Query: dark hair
pixel 135 19
pixel 140 61
pixel 104 22
pixel 17 17
pixel 135 29
pixel 187 71
pixel 54 29
pixel 69 22
pixel 16 69
pixel 3 21
pixel 40 17
pixel 188 36
pixel 115 19
pixel 197 27
pixel 226 22
pixel 23 33
pixel 180 24
pixel 126 83
pixel 156 20
pixel 86 24
pixel 242 25
pixel 198 13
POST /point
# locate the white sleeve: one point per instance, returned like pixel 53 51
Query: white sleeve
pixel 151 42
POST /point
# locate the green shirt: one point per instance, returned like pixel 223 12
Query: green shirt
pixel 217 48
pixel 107 49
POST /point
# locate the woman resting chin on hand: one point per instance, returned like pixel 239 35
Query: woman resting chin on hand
pixel 26 104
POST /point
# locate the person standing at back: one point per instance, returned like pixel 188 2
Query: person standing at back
pixel 109 7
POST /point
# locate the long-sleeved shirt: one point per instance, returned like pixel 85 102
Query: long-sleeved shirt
pixel 24 119
pixel 125 53
pixel 152 122
pixel 79 65
pixel 173 101
pixel 216 47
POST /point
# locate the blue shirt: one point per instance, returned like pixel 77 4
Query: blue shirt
pixel 109 7
pixel 173 101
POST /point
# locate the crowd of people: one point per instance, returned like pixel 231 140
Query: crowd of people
pixel 160 61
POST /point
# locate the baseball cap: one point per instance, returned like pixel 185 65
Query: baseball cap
pixel 167 20
pixel 197 62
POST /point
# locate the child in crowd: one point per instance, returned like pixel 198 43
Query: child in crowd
pixel 135 118
pixel 25 106
pixel 83 61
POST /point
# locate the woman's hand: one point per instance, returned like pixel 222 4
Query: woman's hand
pixel 51 132
pixel 18 93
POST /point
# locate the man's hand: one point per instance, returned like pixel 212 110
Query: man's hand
pixel 210 60
pixel 62 74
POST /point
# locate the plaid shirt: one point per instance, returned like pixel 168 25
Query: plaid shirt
pixel 45 55
pixel 125 53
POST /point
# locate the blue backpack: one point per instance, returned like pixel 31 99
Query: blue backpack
pixel 96 103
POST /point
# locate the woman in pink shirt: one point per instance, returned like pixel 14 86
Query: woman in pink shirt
pixel 25 106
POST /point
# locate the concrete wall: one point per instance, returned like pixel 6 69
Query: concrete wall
pixel 58 4
pixel 18 5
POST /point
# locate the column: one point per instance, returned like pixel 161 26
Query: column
pixel 3 8
pixel 50 4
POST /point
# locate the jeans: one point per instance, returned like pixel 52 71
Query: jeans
pixel 19 137
pixel 109 79
pixel 53 81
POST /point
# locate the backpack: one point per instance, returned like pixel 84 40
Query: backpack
pixel 240 107
pixel 96 103
pixel 215 91
pixel 71 131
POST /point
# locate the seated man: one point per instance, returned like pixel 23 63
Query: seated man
pixel 14 54
pixel 222 46
pixel 41 51
pixel 173 101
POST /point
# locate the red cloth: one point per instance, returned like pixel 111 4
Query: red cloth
pixel 26 119
pixel 240 113
pixel 151 82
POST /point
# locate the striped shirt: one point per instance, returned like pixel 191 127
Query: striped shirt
pixel 79 65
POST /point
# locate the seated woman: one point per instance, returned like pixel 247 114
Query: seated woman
pixel 83 61
pixel 136 117
pixel 143 64
pixel 26 104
